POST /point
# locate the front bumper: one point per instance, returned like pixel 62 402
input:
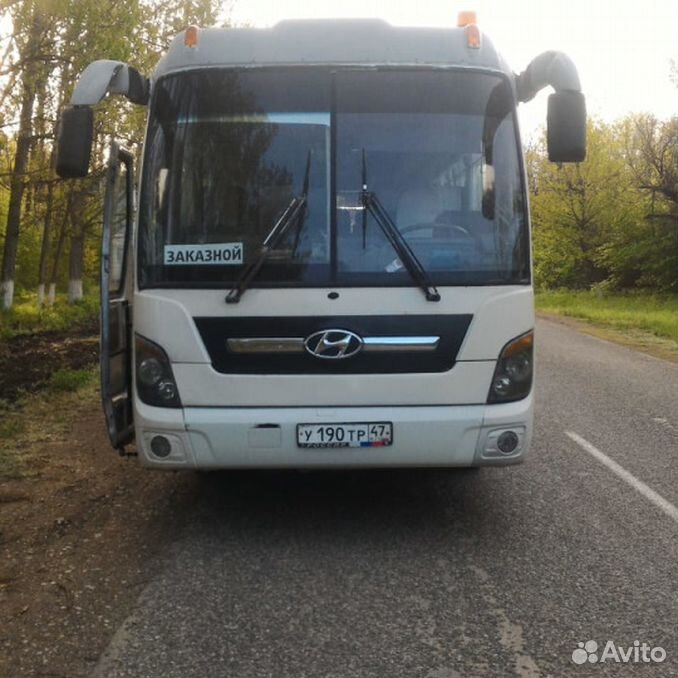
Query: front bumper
pixel 434 436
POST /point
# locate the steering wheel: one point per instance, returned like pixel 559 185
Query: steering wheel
pixel 432 225
pixel 451 232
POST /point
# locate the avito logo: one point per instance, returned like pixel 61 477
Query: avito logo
pixel 638 653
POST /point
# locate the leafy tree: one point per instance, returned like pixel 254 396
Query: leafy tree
pixel 32 33
pixel 613 219
pixel 575 208
pixel 651 153
pixel 51 43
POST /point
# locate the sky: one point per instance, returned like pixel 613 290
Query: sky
pixel 622 48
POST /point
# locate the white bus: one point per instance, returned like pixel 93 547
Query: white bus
pixel 328 261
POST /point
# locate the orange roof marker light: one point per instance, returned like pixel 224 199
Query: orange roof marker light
pixel 465 18
pixel 472 36
pixel 191 37
pixel 468 21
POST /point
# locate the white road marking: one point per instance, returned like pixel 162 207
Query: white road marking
pixel 638 485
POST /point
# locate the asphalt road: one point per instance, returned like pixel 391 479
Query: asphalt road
pixel 438 574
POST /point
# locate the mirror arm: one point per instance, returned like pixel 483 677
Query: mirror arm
pixel 104 77
pixel 76 125
pixel 549 68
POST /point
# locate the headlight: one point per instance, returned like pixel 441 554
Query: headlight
pixel 512 378
pixel 155 381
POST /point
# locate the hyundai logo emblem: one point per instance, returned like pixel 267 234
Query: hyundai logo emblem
pixel 333 344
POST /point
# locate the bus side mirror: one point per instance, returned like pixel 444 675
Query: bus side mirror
pixel 74 144
pixel 566 127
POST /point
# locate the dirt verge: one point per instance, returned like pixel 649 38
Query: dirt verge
pixel 79 532
pixel 28 361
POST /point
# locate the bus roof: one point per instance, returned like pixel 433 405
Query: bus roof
pixel 333 42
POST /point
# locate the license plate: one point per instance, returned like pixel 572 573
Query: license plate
pixel 363 434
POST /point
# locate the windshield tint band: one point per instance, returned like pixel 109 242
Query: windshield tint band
pixel 221 168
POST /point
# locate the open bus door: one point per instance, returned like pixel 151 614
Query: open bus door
pixel 116 339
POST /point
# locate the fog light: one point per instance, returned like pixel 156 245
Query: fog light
pixel 507 442
pixel 160 446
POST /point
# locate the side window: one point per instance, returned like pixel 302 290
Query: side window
pixel 120 218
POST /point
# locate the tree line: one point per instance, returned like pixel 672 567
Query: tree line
pixel 610 221
pixel 48 226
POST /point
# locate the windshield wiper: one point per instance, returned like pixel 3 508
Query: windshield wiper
pixel 295 212
pixel 408 258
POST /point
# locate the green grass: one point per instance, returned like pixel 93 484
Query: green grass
pixel 25 317
pixel 69 380
pixel 632 312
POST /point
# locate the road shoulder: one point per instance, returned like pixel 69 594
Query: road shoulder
pixel 664 349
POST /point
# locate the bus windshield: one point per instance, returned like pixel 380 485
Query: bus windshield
pixel 227 151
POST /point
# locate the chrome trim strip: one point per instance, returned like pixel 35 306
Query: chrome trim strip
pixel 266 345
pixel 395 344
pixel 296 344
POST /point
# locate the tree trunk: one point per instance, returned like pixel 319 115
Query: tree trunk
pixel 51 295
pixel 44 249
pixel 18 180
pixel 75 262
pixel 39 151
pixel 75 268
pixel 17 185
